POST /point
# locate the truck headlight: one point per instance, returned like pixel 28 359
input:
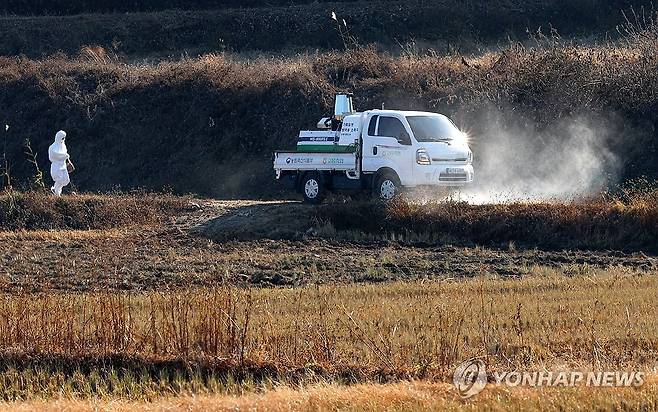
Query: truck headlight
pixel 422 157
pixel 470 157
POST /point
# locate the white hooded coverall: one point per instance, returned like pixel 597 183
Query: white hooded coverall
pixel 58 155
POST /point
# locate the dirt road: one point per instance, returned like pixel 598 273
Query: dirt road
pixel 178 255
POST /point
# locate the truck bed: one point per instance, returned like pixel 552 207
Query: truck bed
pixel 314 161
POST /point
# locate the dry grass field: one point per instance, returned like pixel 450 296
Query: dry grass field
pixel 131 300
pixel 378 331
pixel 150 314
pixel 407 396
pixel 235 342
pixel 168 243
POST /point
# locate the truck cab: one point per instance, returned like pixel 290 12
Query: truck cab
pixel 381 151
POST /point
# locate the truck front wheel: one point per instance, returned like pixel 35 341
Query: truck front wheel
pixel 387 187
pixel 313 188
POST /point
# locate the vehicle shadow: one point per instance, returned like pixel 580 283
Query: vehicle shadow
pixel 269 220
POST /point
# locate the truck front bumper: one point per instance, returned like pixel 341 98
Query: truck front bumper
pixel 444 175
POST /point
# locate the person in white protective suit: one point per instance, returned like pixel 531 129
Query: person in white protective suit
pixel 59 156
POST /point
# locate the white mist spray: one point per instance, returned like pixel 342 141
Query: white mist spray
pixel 518 163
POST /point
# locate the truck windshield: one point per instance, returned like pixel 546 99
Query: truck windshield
pixel 433 128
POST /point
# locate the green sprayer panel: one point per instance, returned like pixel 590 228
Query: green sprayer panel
pixel 323 148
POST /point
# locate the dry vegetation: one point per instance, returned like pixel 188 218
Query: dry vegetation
pixel 147 245
pixel 40 211
pixel 303 25
pixel 618 223
pixel 136 345
pixel 408 396
pixel 110 297
pixel 218 119
pixel 199 331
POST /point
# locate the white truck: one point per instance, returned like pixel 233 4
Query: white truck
pixel 376 151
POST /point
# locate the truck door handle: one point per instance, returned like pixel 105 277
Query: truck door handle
pixel 374 150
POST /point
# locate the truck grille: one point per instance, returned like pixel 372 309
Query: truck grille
pixel 458 160
pixel 453 177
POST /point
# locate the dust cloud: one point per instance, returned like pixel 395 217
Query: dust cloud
pixel 517 162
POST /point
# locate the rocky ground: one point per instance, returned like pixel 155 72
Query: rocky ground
pixel 180 254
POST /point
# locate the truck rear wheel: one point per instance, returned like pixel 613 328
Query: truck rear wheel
pixel 387 187
pixel 313 188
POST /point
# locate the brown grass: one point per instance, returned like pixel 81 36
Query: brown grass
pixel 407 396
pixel 61 235
pixel 40 211
pixel 619 223
pixel 127 122
pixel 337 333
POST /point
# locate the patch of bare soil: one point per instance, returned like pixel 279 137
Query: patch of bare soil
pixel 249 220
pixel 174 256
